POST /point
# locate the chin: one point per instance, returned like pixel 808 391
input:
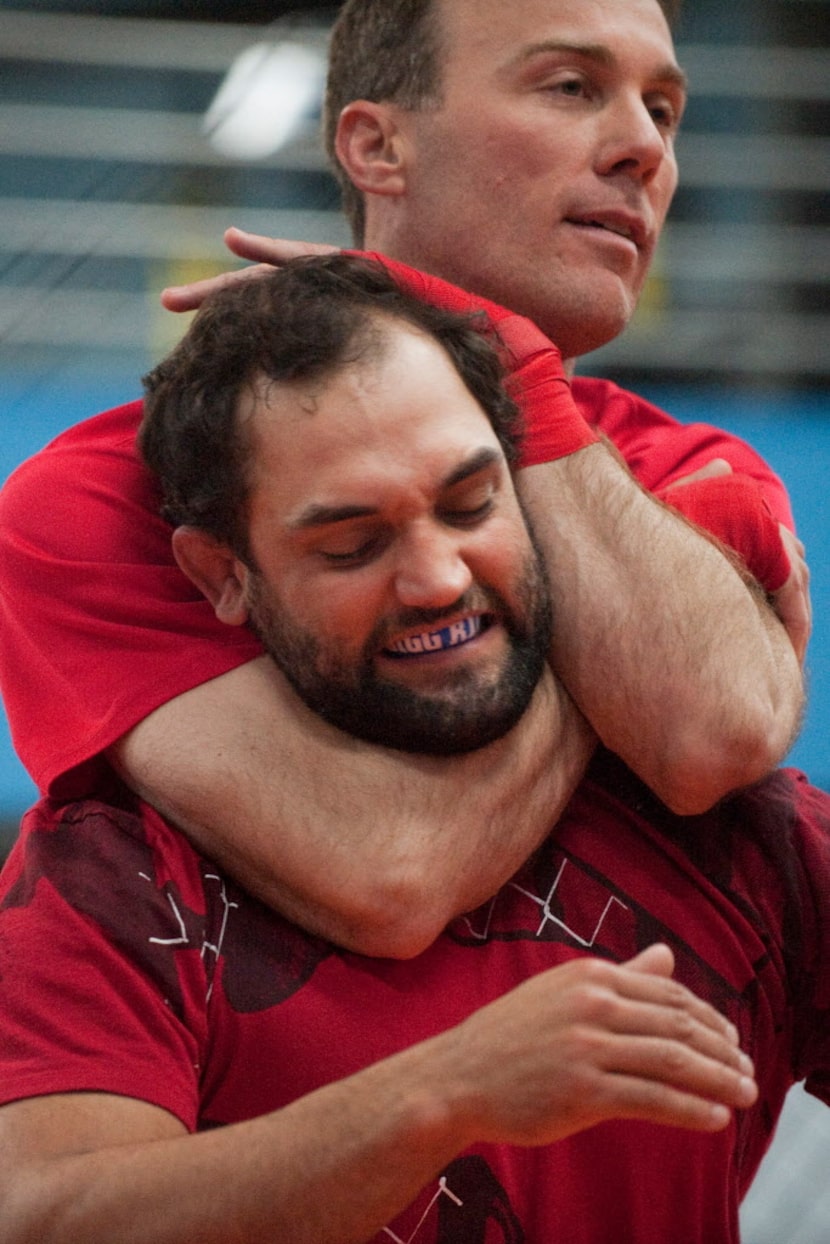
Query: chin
pixel 587 319
pixel 604 323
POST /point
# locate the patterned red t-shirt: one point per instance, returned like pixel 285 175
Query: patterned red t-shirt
pixel 131 966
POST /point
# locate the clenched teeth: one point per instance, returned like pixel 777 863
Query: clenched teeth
pixel 460 632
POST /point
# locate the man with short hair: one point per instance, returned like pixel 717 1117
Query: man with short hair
pixel 530 160
pixel 179 1063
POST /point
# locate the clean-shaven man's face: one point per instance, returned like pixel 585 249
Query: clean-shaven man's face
pixel 544 177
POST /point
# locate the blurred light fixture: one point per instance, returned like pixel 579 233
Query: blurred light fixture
pixel 270 90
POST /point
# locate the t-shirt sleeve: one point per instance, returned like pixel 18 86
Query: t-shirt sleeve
pixel 659 450
pixel 103 984
pixel 98 626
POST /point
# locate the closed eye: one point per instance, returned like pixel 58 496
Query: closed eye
pixel 352 555
pixel 468 516
pixel 471 500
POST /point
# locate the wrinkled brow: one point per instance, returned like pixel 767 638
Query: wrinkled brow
pixel 319 515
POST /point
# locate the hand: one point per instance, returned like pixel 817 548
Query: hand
pixel 792 601
pixel 267 254
pixel 775 544
pixel 592 1040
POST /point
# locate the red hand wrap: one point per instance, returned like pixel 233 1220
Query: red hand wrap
pixel 553 427
pixel 733 508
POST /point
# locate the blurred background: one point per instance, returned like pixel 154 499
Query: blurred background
pixel 132 134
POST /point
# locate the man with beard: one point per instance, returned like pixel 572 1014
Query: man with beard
pixel 526 151
pixel 179 1063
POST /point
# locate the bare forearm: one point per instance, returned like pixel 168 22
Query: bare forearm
pixel 679 665
pixel 370 848
pixel 330 1169
pixel 586 1041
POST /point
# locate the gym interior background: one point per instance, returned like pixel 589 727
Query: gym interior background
pixel 132 134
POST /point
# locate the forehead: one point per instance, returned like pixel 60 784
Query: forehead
pixel 399 419
pixel 499 31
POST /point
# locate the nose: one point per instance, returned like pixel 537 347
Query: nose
pixel 633 142
pixel 431 571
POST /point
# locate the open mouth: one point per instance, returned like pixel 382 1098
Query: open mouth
pixel 452 636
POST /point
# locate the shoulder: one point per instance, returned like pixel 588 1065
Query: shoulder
pixel 110 431
pixel 102 927
pixel 79 489
pixel 103 858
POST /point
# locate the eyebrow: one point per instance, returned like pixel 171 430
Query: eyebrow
pixel 669 72
pixel 319 515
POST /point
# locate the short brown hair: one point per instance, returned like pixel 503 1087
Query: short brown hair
pixel 380 50
pixel 388 51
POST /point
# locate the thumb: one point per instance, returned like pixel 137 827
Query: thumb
pixel 658 960
pixel 714 469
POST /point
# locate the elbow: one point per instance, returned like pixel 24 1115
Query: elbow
pixel 396 921
pixel 385 912
pixel 706 769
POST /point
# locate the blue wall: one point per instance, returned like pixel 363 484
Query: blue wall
pixel 791 432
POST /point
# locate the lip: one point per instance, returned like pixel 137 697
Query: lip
pixel 628 226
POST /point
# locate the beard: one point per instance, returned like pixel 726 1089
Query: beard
pixel 471 708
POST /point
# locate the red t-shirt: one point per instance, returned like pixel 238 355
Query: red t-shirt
pixel 131 966
pixel 98 626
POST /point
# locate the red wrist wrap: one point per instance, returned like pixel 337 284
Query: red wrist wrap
pixel 733 508
pixel 553 427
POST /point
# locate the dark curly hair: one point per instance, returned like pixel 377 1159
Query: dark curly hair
pixel 304 321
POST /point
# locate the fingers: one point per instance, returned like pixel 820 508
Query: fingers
pixel 190 297
pixel 274 251
pixel 668 1066
pixel 266 253
pixel 646 982
pixel 697 1064
pixel 717 467
pixel 653 1050
pixel 648 1026
pixel 591 1040
pixel 656 959
pixel 679 1046
pixel 703 1107
pixel 792 601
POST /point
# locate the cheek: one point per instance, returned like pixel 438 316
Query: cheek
pixel 342 609
pixel 501 558
pixel 664 187
pixel 491 158
pixel 519 163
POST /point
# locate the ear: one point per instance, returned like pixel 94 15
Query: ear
pixel 215 570
pixel 372 148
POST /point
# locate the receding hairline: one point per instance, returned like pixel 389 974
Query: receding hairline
pixel 372 340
